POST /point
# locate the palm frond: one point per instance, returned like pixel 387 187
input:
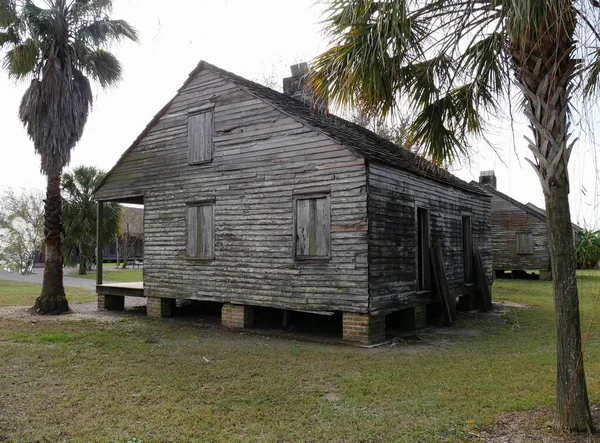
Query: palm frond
pixel 9 37
pixel 8 12
pixel 101 32
pixel 103 67
pixel 21 60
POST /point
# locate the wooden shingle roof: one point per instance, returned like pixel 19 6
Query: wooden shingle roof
pixel 357 139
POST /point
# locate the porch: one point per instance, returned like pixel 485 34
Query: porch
pixel 112 295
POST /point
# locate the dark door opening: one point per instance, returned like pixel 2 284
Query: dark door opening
pixel 467 239
pixel 423 263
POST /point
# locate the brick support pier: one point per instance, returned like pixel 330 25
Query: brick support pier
pixel 363 328
pixel 545 275
pixel 111 302
pixel 160 307
pixel 237 316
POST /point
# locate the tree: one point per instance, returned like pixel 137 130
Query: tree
pixel 79 215
pixel 132 226
pixel 21 228
pixel 452 64
pixel 59 49
pixel 587 249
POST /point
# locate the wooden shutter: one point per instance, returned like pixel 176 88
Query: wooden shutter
pixel 192 231
pixel 200 137
pixel 524 243
pixel 313 227
pixel 322 226
pixel 206 241
pixel 200 231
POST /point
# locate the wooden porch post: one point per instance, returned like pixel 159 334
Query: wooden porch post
pixel 99 241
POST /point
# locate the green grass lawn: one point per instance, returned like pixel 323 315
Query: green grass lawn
pixel 24 294
pixel 174 380
pixel 116 275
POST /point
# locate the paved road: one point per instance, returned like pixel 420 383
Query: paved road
pixel 38 274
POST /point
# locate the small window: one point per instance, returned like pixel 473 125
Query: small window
pixel 467 240
pixel 524 243
pixel 200 231
pixel 312 216
pixel 200 137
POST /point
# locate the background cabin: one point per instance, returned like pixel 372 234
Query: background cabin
pixel 257 199
pixel 519 238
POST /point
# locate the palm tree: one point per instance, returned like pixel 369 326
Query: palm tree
pixel 452 64
pixel 59 48
pixel 79 215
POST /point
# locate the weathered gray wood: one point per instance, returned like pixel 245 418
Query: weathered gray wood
pixel 423 265
pixel 192 231
pixel 441 285
pixel 467 235
pixel 322 226
pixel 99 240
pixel 524 243
pixel 200 137
pixel 206 242
pixel 482 282
pixel 508 221
pixel 302 227
pixel 263 161
pixel 394 197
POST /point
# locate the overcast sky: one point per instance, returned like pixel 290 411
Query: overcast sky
pixel 254 39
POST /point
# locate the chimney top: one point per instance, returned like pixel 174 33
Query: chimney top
pixel 299 69
pixel 296 87
pixel 488 178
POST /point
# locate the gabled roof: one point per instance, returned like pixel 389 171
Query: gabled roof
pixel 355 138
pixel 529 208
pixel 543 212
pixel 533 212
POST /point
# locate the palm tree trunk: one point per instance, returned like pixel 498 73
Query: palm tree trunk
pixel 52 299
pixel 544 71
pixel 572 406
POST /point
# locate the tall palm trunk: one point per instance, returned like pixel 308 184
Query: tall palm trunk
pixel 573 410
pixel 544 68
pixel 52 299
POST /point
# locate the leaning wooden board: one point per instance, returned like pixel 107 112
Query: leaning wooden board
pixel 441 285
pixel 483 288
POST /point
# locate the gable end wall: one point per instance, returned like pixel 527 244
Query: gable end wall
pixel 262 158
pixel 507 221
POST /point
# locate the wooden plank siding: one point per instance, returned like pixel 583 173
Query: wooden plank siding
pixel 509 222
pixel 394 197
pixel 262 159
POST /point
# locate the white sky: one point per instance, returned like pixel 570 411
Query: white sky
pixel 253 39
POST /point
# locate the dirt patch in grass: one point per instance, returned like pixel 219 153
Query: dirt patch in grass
pixel 78 312
pixel 532 426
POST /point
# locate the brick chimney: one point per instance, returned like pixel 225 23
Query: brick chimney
pixel 487 178
pixel 295 86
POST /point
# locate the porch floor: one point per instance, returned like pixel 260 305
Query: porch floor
pixel 133 289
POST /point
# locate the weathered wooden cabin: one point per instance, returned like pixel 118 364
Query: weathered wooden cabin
pixel 253 198
pixel 519 236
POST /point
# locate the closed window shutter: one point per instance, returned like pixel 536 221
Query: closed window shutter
pixel 192 231
pixel 313 227
pixel 200 231
pixel 524 243
pixel 200 137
